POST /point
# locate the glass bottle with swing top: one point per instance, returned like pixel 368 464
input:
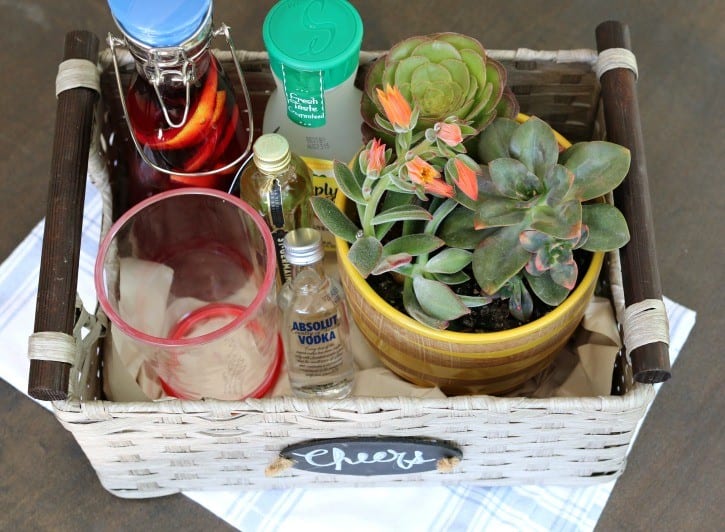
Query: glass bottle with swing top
pixel 187 123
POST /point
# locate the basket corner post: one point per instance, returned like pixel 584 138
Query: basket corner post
pixel 641 278
pixel 48 378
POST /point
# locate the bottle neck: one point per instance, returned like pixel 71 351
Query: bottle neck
pixel 316 267
pixel 174 65
pixel 282 175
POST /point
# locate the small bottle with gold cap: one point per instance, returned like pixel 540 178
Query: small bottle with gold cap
pixel 278 185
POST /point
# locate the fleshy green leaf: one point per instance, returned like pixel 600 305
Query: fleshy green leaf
pixel 416 244
pixel 513 179
pixel 403 185
pixel 380 121
pixel 521 305
pixel 415 311
pixel 475 301
pixel 508 107
pixel 496 74
pixel 436 50
pixel 598 167
pixel 402 212
pixel 333 219
pixel 391 199
pixel 558 181
pixel 450 260
pixel 534 144
pixel 496 211
pixel 565 274
pixel 440 210
pixel 546 289
pixel 392 262
pixel 563 221
pixel 493 143
pixel 458 232
pixel 404 48
pixel 607 227
pixel 347 182
pixel 409 270
pixel 406 67
pixel 438 300
pixel 532 240
pixel 365 253
pixel 498 258
pixel 452 278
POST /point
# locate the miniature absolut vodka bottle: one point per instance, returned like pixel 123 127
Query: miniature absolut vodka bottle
pixel 278 185
pixel 315 326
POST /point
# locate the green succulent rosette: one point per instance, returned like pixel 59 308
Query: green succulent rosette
pixel 443 75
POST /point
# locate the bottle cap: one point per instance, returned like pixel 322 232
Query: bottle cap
pixel 303 246
pixel 271 153
pixel 309 36
pixel 160 23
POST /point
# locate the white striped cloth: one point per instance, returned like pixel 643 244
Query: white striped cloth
pixel 400 509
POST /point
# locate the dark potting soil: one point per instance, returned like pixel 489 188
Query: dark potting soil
pixel 490 318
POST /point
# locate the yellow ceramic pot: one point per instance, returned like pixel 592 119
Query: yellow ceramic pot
pixel 457 362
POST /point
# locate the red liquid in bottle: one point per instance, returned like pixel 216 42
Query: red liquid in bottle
pixel 214 134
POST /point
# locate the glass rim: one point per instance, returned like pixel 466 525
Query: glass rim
pixel 242 318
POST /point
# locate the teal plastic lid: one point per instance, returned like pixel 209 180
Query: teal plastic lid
pixel 160 23
pixel 314 36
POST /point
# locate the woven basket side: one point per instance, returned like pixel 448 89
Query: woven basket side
pixel 142 451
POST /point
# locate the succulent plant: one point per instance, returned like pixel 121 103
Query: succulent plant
pixel 442 75
pixel 513 223
pixel 540 205
pixel 418 186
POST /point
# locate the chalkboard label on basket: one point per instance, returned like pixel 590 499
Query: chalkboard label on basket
pixel 370 456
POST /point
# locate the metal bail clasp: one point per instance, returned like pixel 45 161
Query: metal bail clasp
pixel 160 66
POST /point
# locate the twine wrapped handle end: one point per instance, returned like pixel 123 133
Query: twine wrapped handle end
pixel 641 278
pixel 55 307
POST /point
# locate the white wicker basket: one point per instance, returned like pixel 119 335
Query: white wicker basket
pixel 153 449
pixel 149 449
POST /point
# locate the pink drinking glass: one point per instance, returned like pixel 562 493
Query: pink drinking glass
pixel 187 279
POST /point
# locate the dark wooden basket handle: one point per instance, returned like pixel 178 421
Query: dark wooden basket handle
pixel 641 278
pixel 55 308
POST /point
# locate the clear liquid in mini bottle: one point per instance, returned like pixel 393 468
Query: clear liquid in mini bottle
pixel 277 184
pixel 315 326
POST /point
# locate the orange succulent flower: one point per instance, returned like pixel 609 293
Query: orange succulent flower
pixel 466 180
pixel 449 133
pixel 422 173
pixel 396 107
pixel 376 156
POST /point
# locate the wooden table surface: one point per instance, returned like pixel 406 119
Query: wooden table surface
pixel 674 479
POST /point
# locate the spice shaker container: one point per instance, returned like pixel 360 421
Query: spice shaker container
pixel 314 50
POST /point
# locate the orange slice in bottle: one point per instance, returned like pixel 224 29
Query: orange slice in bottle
pixel 229 132
pixel 202 156
pixel 197 124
